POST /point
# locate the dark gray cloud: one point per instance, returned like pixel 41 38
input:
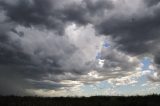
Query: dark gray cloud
pixel 17 65
pixel 53 14
pixel 22 58
pixel 151 2
pixel 131 31
pixel 135 29
pixel 32 50
pixel 33 12
pixel 157 58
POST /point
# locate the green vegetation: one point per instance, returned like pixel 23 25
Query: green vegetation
pixel 152 100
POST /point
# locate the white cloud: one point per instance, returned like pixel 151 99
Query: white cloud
pixel 127 80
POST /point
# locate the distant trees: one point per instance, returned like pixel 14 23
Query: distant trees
pixel 152 100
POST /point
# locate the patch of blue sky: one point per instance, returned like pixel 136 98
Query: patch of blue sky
pixel 87 88
pixel 96 88
pixel 98 56
pixel 124 89
pixel 146 62
pixel 106 44
pixel 129 89
pixel 103 85
pixel 142 80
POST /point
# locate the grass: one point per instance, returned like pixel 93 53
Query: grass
pixel 151 100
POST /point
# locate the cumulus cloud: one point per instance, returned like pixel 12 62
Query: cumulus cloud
pixel 44 44
pixel 134 26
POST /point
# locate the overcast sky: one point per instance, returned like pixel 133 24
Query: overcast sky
pixel 79 47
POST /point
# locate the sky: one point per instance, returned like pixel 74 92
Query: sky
pixel 79 47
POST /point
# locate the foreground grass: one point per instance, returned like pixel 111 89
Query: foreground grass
pixel 152 100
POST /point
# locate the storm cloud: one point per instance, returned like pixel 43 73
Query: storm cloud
pixel 46 43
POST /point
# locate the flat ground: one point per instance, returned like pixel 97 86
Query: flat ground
pixel 152 100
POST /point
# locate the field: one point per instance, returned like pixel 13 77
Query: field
pixel 152 100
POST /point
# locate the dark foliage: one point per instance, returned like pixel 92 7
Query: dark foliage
pixel 152 100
